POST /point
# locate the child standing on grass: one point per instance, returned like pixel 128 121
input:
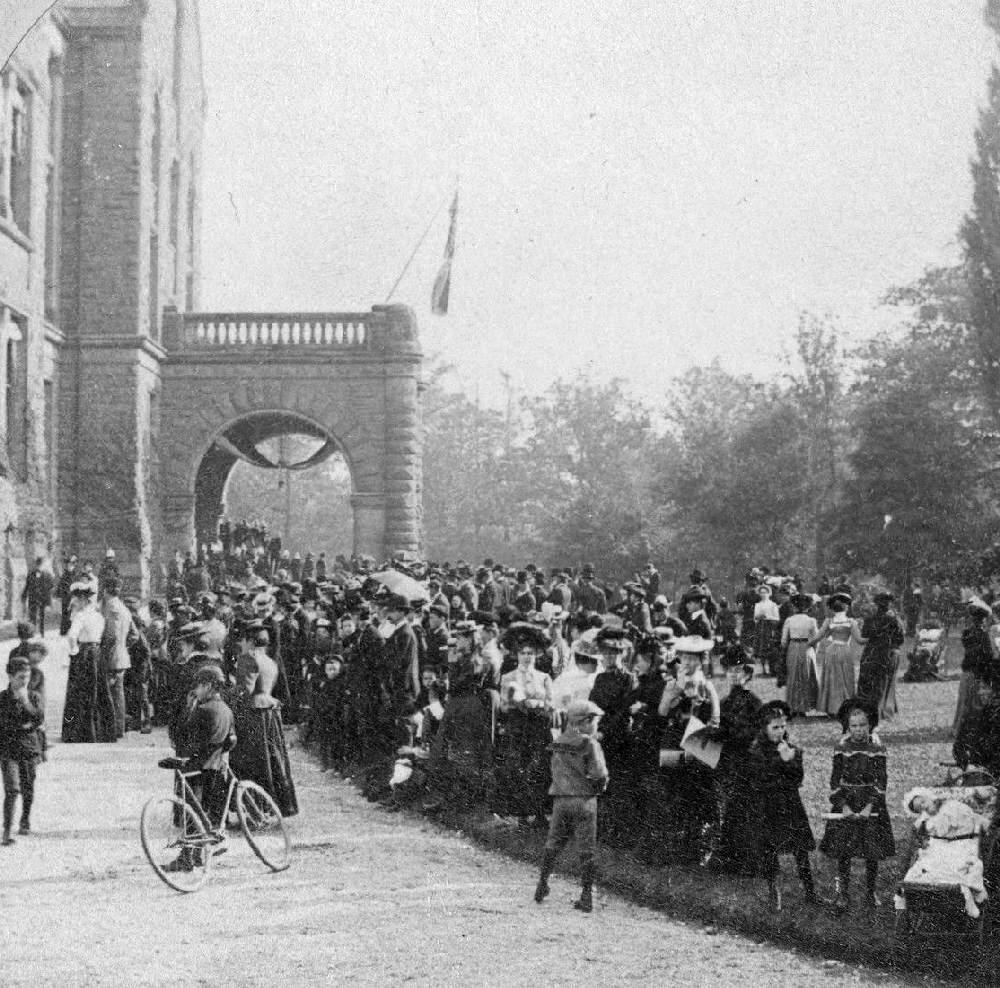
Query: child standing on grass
pixel 21 715
pixel 579 776
pixel 779 818
pixel 857 792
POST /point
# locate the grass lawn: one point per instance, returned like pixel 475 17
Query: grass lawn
pixel 917 740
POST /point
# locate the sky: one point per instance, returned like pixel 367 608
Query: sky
pixel 644 186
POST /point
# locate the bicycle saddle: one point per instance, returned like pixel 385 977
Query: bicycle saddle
pixel 173 763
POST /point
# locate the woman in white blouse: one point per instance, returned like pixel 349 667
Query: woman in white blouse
pixel 88 715
pixel 526 705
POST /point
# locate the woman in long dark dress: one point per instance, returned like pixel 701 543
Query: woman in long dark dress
pixel 260 754
pixel 978 662
pixel 880 659
pixel 88 715
pixel 526 705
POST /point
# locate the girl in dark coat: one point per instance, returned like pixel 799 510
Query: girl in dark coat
pixel 739 715
pixel 780 822
pixel 857 791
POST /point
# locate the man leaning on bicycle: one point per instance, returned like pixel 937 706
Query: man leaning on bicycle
pixel 205 738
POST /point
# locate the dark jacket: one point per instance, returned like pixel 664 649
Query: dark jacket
pixel 780 822
pixel 611 691
pixel 464 737
pixel 738 721
pixel 402 662
pixel 206 734
pixel 578 766
pixel 19 723
pixel 38 587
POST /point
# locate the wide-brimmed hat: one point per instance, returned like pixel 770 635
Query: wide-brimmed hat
pixel 633 587
pixel 763 590
pixel 841 598
pixel 81 589
pixel 523 634
pixel 612 640
pixel 976 606
pixel 883 597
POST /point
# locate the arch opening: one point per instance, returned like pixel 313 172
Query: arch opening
pixel 280 471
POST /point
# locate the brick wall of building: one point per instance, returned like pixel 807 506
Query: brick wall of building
pixel 32 77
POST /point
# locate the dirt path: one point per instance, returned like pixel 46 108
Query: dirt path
pixel 371 899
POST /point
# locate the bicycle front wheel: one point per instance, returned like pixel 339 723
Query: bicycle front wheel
pixel 176 843
pixel 263 826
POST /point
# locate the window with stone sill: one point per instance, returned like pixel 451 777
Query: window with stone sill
pixel 17 194
pixel 14 399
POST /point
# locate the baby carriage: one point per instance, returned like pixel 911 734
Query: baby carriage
pixel 926 657
pixel 943 897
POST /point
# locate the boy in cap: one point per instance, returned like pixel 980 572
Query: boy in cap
pixel 579 776
pixel 21 715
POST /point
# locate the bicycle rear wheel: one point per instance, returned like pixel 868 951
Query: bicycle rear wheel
pixel 263 826
pixel 176 843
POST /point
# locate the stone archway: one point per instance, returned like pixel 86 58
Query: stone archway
pixel 352 378
pixel 243 437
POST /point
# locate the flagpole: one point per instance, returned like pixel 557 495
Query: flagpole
pixel 423 237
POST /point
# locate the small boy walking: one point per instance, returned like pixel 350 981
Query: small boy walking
pixel 21 715
pixel 579 776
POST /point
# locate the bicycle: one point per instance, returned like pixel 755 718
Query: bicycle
pixel 180 841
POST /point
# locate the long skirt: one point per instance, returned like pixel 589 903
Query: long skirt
pixel 261 756
pixel 968 700
pixel 522 773
pixel 88 716
pixel 737 852
pixel 877 683
pixel 837 680
pixel 801 671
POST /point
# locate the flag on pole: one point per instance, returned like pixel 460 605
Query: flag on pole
pixel 442 283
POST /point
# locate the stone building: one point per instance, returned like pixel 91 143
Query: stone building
pixel 120 403
pixel 102 108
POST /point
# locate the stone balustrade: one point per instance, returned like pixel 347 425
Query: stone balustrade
pixel 201 331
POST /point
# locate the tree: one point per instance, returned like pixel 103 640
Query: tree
pixel 738 482
pixel 981 236
pixel 918 498
pixel 585 463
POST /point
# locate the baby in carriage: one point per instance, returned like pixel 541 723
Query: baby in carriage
pixel 925 656
pixel 951 821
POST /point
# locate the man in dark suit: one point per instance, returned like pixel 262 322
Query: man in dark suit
pixel 37 594
pixel 401 657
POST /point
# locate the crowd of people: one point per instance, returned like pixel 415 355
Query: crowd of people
pixel 517 693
